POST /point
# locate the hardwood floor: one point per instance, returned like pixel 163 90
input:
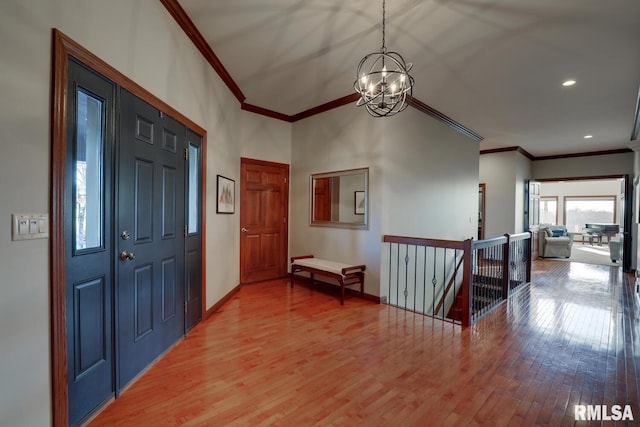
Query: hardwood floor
pixel 294 357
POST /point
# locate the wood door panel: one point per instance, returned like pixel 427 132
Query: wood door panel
pixel 169 141
pixel 169 289
pixel 90 328
pixel 270 250
pixel 253 250
pixel 143 201
pixel 254 211
pixel 263 219
pixel 142 301
pixel 144 129
pixel 272 213
pixel 272 178
pixel 253 176
pixel 169 208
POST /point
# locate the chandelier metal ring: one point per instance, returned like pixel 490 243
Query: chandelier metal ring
pixel 383 80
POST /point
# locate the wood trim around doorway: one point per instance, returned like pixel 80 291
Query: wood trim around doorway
pixel 285 249
pixel 64 48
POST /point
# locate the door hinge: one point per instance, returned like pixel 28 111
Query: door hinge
pixel 285 179
pixel 184 230
pixel 186 154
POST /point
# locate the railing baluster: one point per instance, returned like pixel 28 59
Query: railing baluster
pixel 434 282
pixel 491 270
pixel 424 282
pixel 415 276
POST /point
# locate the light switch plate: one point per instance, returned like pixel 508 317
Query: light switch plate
pixel 29 226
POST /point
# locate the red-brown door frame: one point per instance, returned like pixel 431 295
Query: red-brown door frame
pixel 63 49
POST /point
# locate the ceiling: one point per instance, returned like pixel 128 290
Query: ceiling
pixel 494 66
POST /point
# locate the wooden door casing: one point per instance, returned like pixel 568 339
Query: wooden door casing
pixel 264 207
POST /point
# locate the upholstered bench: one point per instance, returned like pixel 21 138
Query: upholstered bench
pixel 345 274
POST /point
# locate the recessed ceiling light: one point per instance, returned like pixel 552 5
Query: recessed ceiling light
pixel 568 83
pixel 588 136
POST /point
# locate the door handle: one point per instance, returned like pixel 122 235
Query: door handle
pixel 244 230
pixel 124 256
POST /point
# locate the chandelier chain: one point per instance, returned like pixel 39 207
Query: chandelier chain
pixel 384 12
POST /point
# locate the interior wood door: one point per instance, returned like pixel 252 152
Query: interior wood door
pixel 322 199
pixel 150 229
pixel 264 207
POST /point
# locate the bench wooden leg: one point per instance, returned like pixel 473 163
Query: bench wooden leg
pixel 341 292
pixel 362 286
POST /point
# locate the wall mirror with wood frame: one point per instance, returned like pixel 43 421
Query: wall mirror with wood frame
pixel 340 199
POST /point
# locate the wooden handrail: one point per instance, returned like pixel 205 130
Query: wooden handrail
pixel 487 243
pixel 520 236
pixel 446 291
pixel 419 241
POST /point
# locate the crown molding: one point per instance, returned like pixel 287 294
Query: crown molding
pixel 190 29
pixel 506 149
pixel 347 99
pixel 265 112
pixel 430 111
pixel 557 156
pixel 586 154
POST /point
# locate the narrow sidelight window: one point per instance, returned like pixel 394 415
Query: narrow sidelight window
pixel 88 162
pixel 194 189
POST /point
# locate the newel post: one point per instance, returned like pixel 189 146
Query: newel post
pixel 466 283
pixel 506 253
pixel 529 256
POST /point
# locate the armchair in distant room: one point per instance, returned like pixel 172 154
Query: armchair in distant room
pixel 554 241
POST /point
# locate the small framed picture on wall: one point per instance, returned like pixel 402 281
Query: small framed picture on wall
pixel 226 191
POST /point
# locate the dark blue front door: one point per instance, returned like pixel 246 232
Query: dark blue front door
pixel 151 230
pixel 88 241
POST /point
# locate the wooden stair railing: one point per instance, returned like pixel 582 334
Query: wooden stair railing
pixel 453 278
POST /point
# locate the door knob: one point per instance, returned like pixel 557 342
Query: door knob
pixel 124 256
pixel 244 230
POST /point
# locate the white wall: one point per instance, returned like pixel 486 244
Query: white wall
pixel 340 139
pixel 584 166
pixel 423 182
pixel 524 172
pixel 430 179
pixel 141 40
pixel 498 172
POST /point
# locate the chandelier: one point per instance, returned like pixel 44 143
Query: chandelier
pixel 383 80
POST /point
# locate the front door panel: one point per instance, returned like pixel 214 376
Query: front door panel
pixel 150 262
pixel 88 198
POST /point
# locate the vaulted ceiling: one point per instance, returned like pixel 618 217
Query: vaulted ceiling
pixel 494 66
